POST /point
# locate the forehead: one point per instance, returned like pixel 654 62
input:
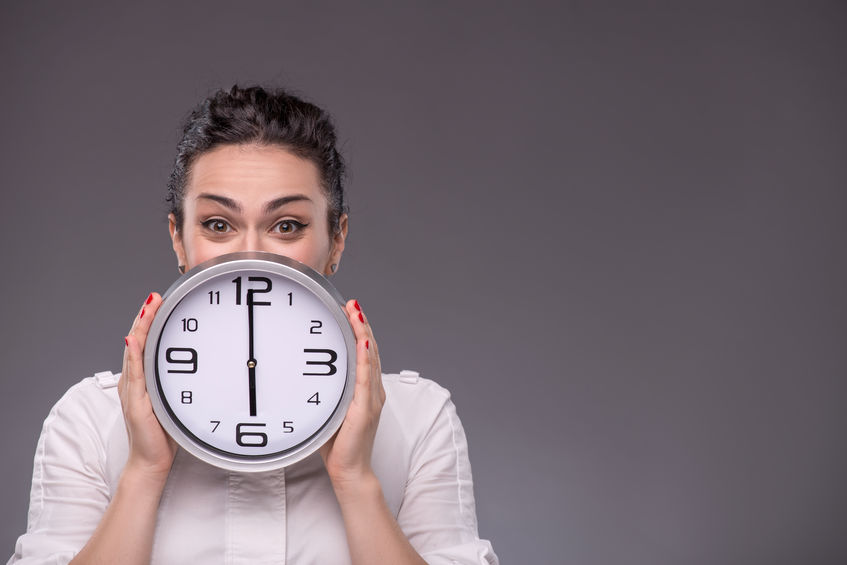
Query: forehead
pixel 254 174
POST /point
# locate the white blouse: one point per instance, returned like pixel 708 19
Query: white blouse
pixel 208 515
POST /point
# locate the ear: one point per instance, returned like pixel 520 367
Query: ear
pixel 337 246
pixel 176 239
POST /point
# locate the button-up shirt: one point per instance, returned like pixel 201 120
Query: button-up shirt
pixel 209 515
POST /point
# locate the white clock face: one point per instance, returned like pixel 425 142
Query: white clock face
pixel 250 364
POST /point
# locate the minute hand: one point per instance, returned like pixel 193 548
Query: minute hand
pixel 251 362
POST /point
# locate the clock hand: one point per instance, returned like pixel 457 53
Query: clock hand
pixel 251 362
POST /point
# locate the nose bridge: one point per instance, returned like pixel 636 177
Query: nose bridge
pixel 253 240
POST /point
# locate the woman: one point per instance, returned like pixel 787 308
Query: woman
pixel 255 170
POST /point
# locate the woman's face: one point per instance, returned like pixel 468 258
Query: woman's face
pixel 256 198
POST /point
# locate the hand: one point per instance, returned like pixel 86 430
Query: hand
pixel 347 455
pixel 151 450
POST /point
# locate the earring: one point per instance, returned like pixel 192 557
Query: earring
pixel 181 269
pixel 333 267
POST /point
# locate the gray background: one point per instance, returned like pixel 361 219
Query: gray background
pixel 615 231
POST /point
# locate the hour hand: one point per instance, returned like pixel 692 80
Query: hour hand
pixel 251 369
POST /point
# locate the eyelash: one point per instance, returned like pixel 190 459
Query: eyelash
pixel 294 223
pixel 209 223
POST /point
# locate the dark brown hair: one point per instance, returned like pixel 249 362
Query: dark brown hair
pixel 267 117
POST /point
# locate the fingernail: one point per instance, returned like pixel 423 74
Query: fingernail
pixel 142 313
pixel 126 341
pixel 149 299
pixel 367 344
pixel 361 318
pixel 356 304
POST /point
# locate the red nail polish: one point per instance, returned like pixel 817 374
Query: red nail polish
pixel 149 299
pixel 367 344
pixel 126 341
pixel 142 314
pixel 356 304
pixel 361 318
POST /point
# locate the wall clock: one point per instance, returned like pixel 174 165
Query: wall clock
pixel 251 361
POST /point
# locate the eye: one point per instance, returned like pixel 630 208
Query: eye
pixel 287 227
pixel 217 225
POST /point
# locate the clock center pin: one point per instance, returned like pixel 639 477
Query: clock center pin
pixel 251 364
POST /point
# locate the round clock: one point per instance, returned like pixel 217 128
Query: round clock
pixel 251 361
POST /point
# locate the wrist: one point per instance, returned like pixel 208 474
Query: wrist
pixel 142 482
pixel 357 489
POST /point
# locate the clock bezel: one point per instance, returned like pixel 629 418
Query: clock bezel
pixel 227 264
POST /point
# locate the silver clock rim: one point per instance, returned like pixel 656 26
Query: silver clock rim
pixel 236 262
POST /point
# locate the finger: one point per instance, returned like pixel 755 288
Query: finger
pixel 373 353
pixel 364 378
pixel 136 386
pixel 373 348
pixel 358 322
pixel 368 364
pixel 362 334
pixel 122 381
pixel 134 347
pixel 142 322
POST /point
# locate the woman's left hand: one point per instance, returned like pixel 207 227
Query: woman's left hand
pixel 347 455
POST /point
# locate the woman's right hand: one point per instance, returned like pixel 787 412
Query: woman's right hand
pixel 125 533
pixel 151 450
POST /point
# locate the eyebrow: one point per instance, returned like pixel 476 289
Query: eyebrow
pixel 269 207
pixel 279 202
pixel 223 200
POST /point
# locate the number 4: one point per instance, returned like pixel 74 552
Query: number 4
pixel 314 399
